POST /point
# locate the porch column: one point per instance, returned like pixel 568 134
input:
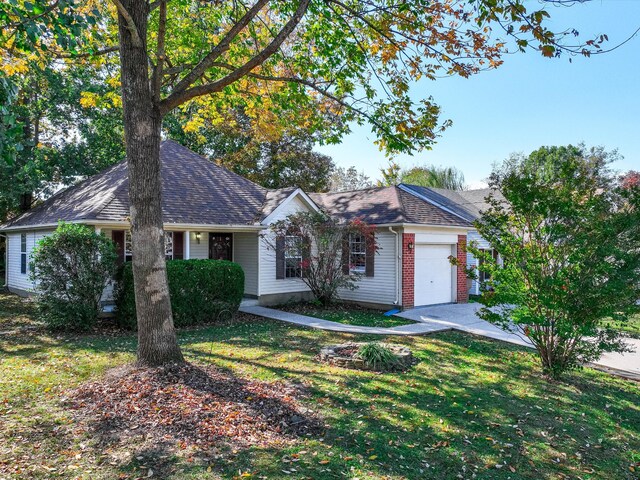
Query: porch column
pixel 187 245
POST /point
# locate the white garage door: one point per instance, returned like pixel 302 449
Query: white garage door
pixel 432 275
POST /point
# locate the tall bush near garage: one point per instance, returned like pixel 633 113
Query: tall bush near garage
pixel 72 266
pixel 201 291
pixel 569 234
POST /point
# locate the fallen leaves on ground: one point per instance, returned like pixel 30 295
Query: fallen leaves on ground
pixel 193 407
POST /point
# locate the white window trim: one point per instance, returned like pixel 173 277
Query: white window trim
pixel 23 254
pixel 362 241
pixel 168 245
pixel 128 246
pixel 287 257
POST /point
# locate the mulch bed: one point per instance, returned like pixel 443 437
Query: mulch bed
pixel 193 407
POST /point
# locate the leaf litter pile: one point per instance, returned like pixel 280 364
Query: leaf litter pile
pixel 195 408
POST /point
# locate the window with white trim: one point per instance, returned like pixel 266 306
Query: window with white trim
pixel 486 276
pixel 357 253
pixel 23 253
pixel 292 256
pixel 168 245
pixel 128 246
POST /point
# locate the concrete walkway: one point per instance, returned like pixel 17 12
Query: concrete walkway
pixel 439 318
pixel 305 321
pixel 463 317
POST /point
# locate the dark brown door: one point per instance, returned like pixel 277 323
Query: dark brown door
pixel 221 246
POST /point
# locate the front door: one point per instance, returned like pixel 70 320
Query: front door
pixel 221 246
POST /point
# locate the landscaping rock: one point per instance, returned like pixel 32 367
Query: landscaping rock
pixel 344 355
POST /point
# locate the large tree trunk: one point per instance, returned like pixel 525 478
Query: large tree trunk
pixel 157 342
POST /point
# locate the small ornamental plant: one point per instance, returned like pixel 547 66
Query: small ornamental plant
pixel 323 248
pixel 377 356
pixel 71 268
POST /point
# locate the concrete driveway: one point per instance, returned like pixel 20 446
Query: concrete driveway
pixel 463 317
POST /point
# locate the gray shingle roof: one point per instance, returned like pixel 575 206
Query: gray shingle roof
pixel 274 198
pixel 194 190
pixel 197 191
pixel 467 203
pixel 382 205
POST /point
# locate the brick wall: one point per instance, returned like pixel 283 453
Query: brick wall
pixel 463 292
pixel 408 265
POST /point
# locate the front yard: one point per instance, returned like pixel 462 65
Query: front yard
pixel 349 314
pixel 471 408
pixel 630 328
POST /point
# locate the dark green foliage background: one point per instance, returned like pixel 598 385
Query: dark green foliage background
pixel 202 291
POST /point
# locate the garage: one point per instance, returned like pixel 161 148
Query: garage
pixel 433 275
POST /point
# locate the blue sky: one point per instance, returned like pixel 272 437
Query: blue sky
pixel 532 101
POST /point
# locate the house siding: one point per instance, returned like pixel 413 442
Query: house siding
pixel 474 236
pixel 245 253
pixel 107 293
pixel 15 279
pixel 269 285
pixel 381 288
pixel 199 250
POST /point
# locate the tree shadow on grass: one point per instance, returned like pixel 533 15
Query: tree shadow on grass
pixel 468 406
pixel 471 407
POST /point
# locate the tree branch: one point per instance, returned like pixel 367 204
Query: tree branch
pixel 178 97
pixel 131 25
pixel 219 49
pixel 156 82
pixel 97 53
pixel 323 91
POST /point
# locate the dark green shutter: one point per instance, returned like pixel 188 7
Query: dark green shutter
pixel 280 257
pixel 370 256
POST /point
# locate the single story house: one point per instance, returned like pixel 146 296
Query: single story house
pixel 210 212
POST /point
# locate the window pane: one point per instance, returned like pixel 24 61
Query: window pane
pixel 168 245
pixel 23 242
pixel 292 256
pixel 128 244
pixel 357 253
pixel 23 263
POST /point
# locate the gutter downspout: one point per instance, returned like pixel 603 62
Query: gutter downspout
pixel 398 273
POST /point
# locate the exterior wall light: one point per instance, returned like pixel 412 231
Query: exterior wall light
pixel 198 238
pixel 410 245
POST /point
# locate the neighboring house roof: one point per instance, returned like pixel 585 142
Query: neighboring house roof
pixel 382 205
pixel 467 204
pixel 194 191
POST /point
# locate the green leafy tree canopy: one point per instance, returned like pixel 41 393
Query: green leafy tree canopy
pixel 568 235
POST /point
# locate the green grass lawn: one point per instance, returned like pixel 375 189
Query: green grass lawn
pixel 471 408
pixel 630 328
pixel 348 314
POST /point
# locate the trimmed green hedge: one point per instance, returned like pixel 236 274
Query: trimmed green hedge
pixel 202 291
